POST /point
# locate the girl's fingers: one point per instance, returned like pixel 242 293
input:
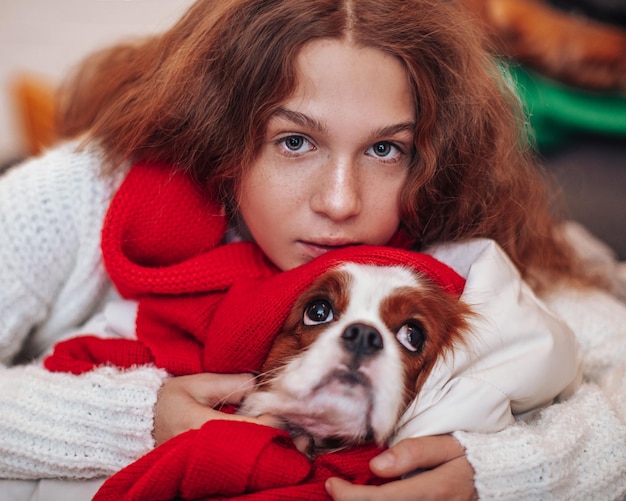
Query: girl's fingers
pixel 416 453
pixel 451 481
pixel 340 490
pixel 264 419
pixel 186 402
pixel 212 389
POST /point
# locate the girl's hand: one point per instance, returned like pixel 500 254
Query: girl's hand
pixel 186 402
pixel 449 475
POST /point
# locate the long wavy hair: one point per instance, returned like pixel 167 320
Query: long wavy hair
pixel 199 97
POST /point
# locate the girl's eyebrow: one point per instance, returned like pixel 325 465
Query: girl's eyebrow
pixel 301 119
pixel 392 130
pixel 308 122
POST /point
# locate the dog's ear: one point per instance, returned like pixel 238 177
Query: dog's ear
pixel 445 321
pixel 285 346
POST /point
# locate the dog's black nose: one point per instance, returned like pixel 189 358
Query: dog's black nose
pixel 362 339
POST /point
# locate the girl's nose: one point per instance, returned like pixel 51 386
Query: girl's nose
pixel 337 193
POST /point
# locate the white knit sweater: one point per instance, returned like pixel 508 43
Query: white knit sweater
pixel 58 425
pixel 52 276
pixel 574 450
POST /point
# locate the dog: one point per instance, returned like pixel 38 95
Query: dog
pixel 355 350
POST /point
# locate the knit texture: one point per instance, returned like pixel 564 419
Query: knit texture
pixel 51 213
pixel 235 460
pixel 92 430
pixel 53 279
pixel 204 307
pixel 576 449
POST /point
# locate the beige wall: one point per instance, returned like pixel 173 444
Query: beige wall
pixel 46 37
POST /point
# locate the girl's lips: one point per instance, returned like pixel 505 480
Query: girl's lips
pixel 314 249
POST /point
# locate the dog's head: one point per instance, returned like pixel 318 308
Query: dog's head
pixel 356 348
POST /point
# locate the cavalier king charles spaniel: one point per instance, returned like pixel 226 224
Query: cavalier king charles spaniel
pixel 354 352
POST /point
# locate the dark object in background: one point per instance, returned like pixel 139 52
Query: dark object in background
pixel 606 11
pixel 592 175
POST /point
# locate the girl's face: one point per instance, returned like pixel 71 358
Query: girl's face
pixel 335 157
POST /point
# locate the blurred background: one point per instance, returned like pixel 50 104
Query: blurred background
pixel 567 59
pixel 41 40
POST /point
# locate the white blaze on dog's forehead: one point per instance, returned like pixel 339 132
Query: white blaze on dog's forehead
pixel 372 284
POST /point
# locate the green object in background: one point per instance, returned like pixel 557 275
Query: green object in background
pixel 559 113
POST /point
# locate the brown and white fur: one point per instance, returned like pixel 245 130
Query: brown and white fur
pixel 355 350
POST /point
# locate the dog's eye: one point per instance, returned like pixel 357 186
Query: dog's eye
pixel 318 312
pixel 411 336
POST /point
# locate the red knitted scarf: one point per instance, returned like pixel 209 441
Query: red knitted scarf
pixel 209 307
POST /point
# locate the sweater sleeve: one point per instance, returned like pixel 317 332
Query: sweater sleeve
pixel 60 425
pixel 52 280
pixel 51 270
pixel 575 449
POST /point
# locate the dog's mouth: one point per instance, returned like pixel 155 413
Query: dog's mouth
pixel 331 427
pixel 314 446
pixel 348 378
pixel 337 411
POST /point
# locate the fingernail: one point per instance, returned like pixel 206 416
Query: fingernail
pixel 384 461
pixel 328 485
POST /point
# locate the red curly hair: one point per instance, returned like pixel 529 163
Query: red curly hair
pixel 199 97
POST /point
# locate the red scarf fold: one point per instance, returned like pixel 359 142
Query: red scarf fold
pixel 235 460
pixel 209 307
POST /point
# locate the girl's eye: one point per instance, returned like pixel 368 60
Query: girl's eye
pixel 412 337
pixel 318 312
pixel 295 144
pixel 384 150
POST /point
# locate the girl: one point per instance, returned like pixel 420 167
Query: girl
pixel 316 124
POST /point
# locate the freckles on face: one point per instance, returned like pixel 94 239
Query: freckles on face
pixel 335 158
